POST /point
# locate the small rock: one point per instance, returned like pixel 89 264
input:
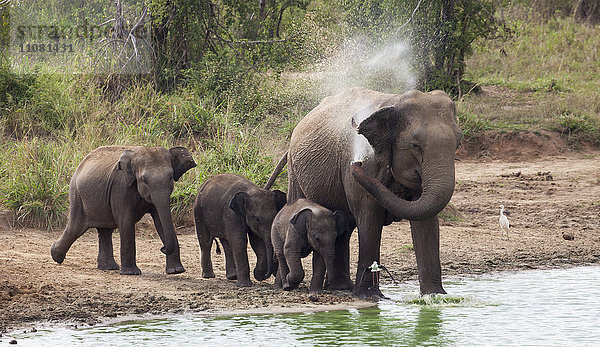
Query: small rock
pixel 313 298
pixel 13 342
pixel 568 236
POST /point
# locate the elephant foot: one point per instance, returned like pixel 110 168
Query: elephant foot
pixel 368 293
pixel 290 286
pixel 261 277
pixel 314 291
pixel 208 274
pixel 108 265
pixel 244 283
pixel 130 270
pixel 231 277
pixel 56 255
pixel 432 290
pixel 345 284
pixel 175 270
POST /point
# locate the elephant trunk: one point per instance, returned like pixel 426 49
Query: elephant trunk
pixel 330 270
pixel 162 204
pixel 437 188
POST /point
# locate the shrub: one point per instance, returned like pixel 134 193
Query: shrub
pixel 35 181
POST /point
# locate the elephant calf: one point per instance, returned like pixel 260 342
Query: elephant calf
pixel 300 228
pixel 114 187
pixel 234 209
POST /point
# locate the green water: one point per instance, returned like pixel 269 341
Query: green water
pixel 539 308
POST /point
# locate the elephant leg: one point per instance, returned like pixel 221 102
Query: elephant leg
pixel 282 272
pixel 127 235
pixel 230 270
pixel 205 241
pixel 174 265
pixel 76 226
pixel 296 272
pixel 341 264
pixel 426 244
pixel 238 239
pixel 318 265
pixel 258 246
pixel 106 258
pixel 369 242
pixel 278 283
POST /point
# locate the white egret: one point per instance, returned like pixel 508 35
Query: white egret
pixel 504 224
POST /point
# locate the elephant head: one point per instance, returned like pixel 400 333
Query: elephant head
pixel 414 142
pixel 321 228
pixel 258 208
pixel 153 172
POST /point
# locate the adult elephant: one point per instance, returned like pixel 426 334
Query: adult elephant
pixel 113 187
pixel 378 158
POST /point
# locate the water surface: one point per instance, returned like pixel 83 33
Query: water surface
pixel 537 307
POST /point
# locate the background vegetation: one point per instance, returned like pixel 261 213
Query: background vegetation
pixel 230 79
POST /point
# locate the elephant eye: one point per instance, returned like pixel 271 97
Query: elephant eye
pixel 417 147
pixel 144 179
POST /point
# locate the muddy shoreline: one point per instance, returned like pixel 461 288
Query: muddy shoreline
pixel 34 289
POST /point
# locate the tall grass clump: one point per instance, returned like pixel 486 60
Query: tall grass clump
pixel 35 181
pixel 579 127
pixel 472 124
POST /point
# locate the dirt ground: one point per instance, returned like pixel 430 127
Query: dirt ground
pixel 545 195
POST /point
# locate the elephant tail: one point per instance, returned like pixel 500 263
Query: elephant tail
pixel 277 171
pixel 217 245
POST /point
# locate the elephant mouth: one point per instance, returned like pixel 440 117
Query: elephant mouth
pixel 413 182
pixel 410 194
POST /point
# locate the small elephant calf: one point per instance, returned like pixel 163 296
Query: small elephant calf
pixel 298 229
pixel 234 209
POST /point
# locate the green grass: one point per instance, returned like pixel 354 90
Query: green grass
pixel 545 71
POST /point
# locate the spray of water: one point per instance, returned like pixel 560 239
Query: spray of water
pixel 368 63
pixel 363 62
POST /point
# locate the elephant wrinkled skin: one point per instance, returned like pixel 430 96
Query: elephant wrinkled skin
pixel 298 229
pixel 234 209
pixel 402 147
pixel 113 187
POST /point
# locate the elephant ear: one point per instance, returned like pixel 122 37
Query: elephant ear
pixel 280 199
pixel 124 165
pixel 341 223
pixel 301 220
pixel 181 162
pixel 238 203
pixel 381 128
